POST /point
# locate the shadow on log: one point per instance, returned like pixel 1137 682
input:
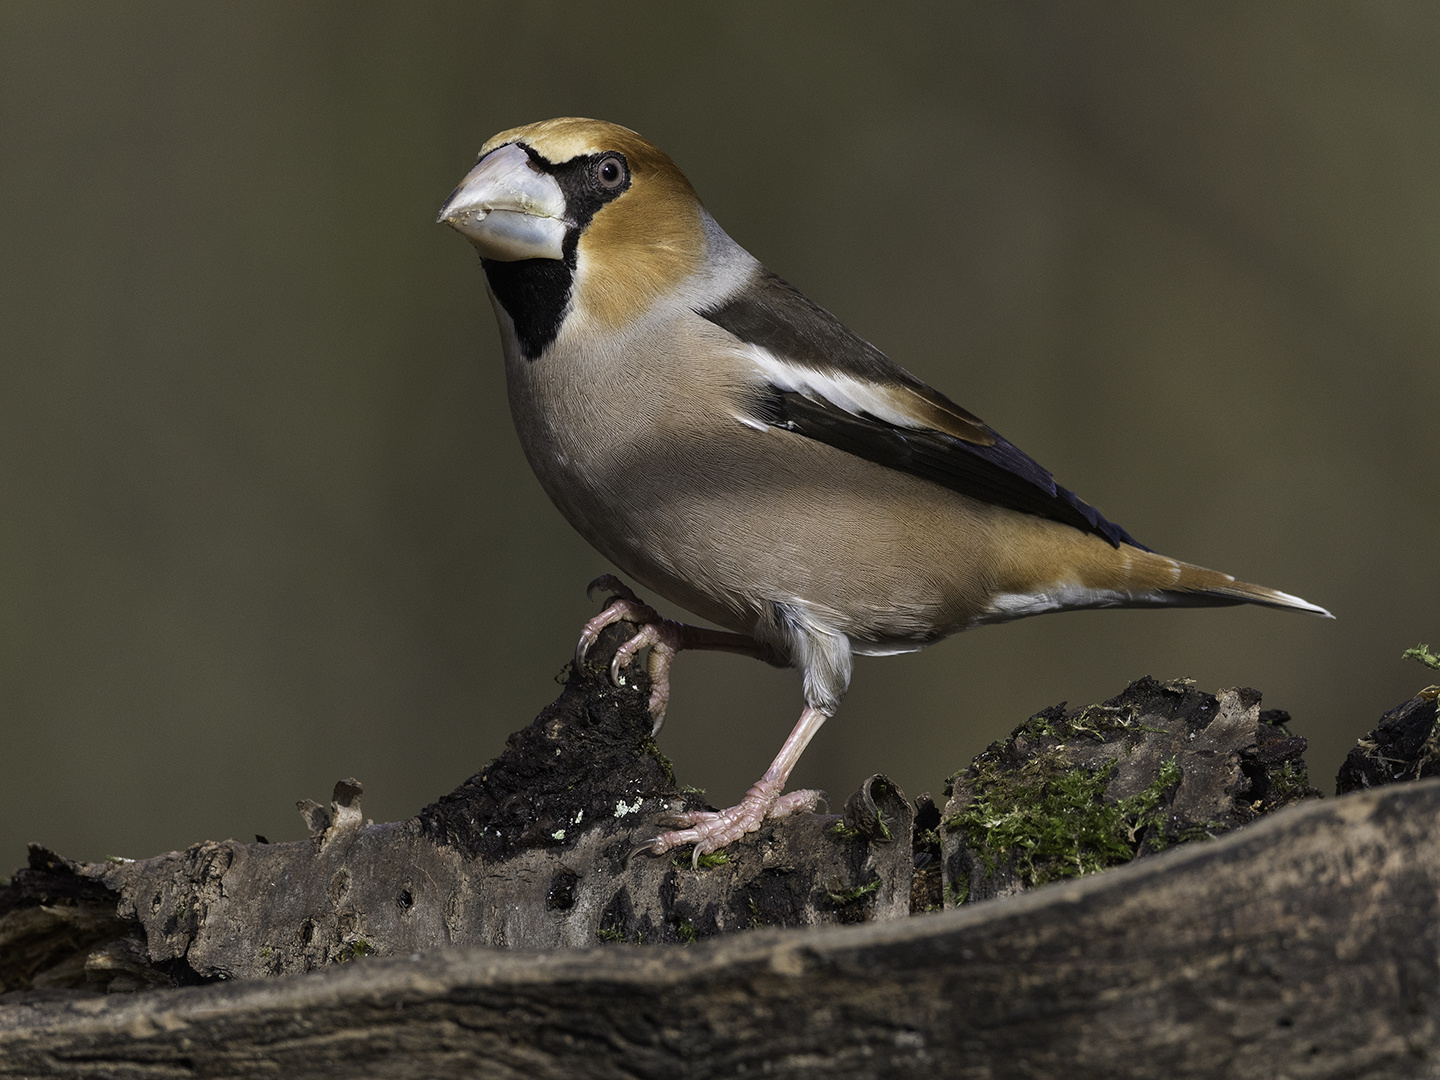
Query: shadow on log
pixel 1307 938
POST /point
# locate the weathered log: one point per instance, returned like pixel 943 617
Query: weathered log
pixel 1307 944
pixel 534 851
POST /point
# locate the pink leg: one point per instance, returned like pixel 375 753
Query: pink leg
pixel 710 830
pixel 664 637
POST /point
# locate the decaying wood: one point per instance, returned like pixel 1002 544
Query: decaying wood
pixel 1084 789
pixel 464 941
pixel 1405 745
pixel 537 850
pixel 1303 945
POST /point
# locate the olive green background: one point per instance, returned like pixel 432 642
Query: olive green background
pixel 263 519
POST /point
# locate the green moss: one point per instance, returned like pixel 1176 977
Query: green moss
pixel 1430 748
pixel 1423 654
pixel 849 832
pixel 1290 782
pixel 358 947
pixel 1093 720
pixel 756 919
pixel 687 861
pixel 840 897
pixel 686 931
pixel 651 747
pixel 1054 822
pixel 845 832
pixel 1205 830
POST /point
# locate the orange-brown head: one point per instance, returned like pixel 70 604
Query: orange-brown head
pixel 608 207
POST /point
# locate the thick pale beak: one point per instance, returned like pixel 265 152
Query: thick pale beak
pixel 508 209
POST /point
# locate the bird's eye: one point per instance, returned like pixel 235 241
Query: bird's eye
pixel 610 172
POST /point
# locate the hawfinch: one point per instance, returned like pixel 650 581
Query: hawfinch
pixel 731 445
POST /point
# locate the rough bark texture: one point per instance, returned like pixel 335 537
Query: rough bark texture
pixel 1304 945
pixel 1404 746
pixel 534 851
pixel 1079 790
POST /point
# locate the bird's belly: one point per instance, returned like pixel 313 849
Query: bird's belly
pixel 727 524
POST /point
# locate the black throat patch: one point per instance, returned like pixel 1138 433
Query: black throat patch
pixel 535 293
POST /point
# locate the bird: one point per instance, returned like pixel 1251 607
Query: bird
pixel 732 446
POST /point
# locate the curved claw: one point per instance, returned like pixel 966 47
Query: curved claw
pixel 648 845
pixel 618 610
pixel 711 830
pixel 646 635
pixel 614 586
pixel 662 637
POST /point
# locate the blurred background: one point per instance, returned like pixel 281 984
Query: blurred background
pixel 263 519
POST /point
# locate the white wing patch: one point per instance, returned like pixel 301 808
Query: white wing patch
pixel 856 396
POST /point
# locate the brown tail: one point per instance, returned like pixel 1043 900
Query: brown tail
pixel 1170 582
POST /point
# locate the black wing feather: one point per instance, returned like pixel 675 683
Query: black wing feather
pixel 999 473
pixel 771 313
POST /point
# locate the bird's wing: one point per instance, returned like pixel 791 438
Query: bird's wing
pixel 817 378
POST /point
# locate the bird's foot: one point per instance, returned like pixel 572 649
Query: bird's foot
pixel 710 830
pixel 624 605
pixel 664 637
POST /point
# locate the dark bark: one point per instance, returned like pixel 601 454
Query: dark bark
pixel 534 851
pixel 1404 746
pixel 1304 944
